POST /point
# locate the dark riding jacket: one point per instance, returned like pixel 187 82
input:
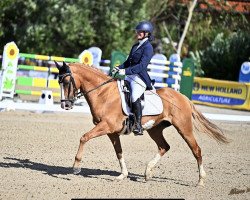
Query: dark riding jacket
pixel 137 62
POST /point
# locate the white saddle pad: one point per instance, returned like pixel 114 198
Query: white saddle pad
pixel 152 102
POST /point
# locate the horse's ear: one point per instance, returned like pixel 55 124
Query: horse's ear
pixel 57 65
pixel 64 64
pixel 66 67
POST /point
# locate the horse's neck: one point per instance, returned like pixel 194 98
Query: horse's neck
pixel 98 99
pixel 91 81
pixel 90 78
pixel 98 91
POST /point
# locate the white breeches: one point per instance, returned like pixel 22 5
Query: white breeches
pixel 138 87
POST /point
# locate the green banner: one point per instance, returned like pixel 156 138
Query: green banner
pixel 187 77
pixel 117 58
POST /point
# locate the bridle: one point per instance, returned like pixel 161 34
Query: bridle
pixel 76 94
pixel 71 82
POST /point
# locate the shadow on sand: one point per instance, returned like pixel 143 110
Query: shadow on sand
pixel 52 170
pixel 58 171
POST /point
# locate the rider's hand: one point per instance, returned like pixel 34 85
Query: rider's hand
pixel 115 70
pixel 122 72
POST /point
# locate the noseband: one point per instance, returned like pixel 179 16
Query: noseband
pixel 76 94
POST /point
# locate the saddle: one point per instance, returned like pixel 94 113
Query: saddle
pixel 150 100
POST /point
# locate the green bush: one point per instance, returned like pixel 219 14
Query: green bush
pixel 223 59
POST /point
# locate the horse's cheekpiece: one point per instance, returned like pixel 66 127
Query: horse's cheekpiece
pixel 67 101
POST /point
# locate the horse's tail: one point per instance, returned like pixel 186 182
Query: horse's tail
pixel 201 123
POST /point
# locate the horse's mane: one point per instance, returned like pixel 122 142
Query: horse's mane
pixel 91 68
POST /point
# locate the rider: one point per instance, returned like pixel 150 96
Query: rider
pixel 135 69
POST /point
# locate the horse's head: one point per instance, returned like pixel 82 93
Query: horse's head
pixel 67 85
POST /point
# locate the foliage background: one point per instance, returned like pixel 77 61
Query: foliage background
pixel 218 41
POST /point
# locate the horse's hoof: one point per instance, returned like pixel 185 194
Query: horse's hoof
pixel 147 178
pixel 120 177
pixel 148 175
pixel 200 184
pixel 76 171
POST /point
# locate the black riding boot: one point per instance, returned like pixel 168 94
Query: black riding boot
pixel 137 110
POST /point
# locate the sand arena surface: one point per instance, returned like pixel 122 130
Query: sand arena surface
pixel 38 149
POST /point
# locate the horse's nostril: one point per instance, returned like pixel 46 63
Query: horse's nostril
pixel 68 105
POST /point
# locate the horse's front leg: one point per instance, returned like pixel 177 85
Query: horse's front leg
pixel 115 139
pixel 100 129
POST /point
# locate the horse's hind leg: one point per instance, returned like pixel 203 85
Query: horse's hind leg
pixel 156 133
pixel 186 131
pixel 115 139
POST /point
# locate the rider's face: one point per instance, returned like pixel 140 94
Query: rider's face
pixel 140 35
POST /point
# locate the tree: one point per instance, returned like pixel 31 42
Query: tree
pixel 226 55
pixel 67 27
pixel 190 13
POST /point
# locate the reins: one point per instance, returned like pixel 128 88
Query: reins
pixel 104 83
pixel 77 94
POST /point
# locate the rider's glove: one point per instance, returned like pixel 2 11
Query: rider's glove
pixel 122 72
pixel 116 70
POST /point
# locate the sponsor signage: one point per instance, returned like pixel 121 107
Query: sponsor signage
pixel 221 93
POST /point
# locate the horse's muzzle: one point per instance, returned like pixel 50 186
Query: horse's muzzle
pixel 67 105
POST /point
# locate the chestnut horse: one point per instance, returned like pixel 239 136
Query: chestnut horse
pixel 101 93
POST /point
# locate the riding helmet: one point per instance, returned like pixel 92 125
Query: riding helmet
pixel 145 26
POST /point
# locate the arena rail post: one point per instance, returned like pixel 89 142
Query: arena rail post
pixel 170 73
